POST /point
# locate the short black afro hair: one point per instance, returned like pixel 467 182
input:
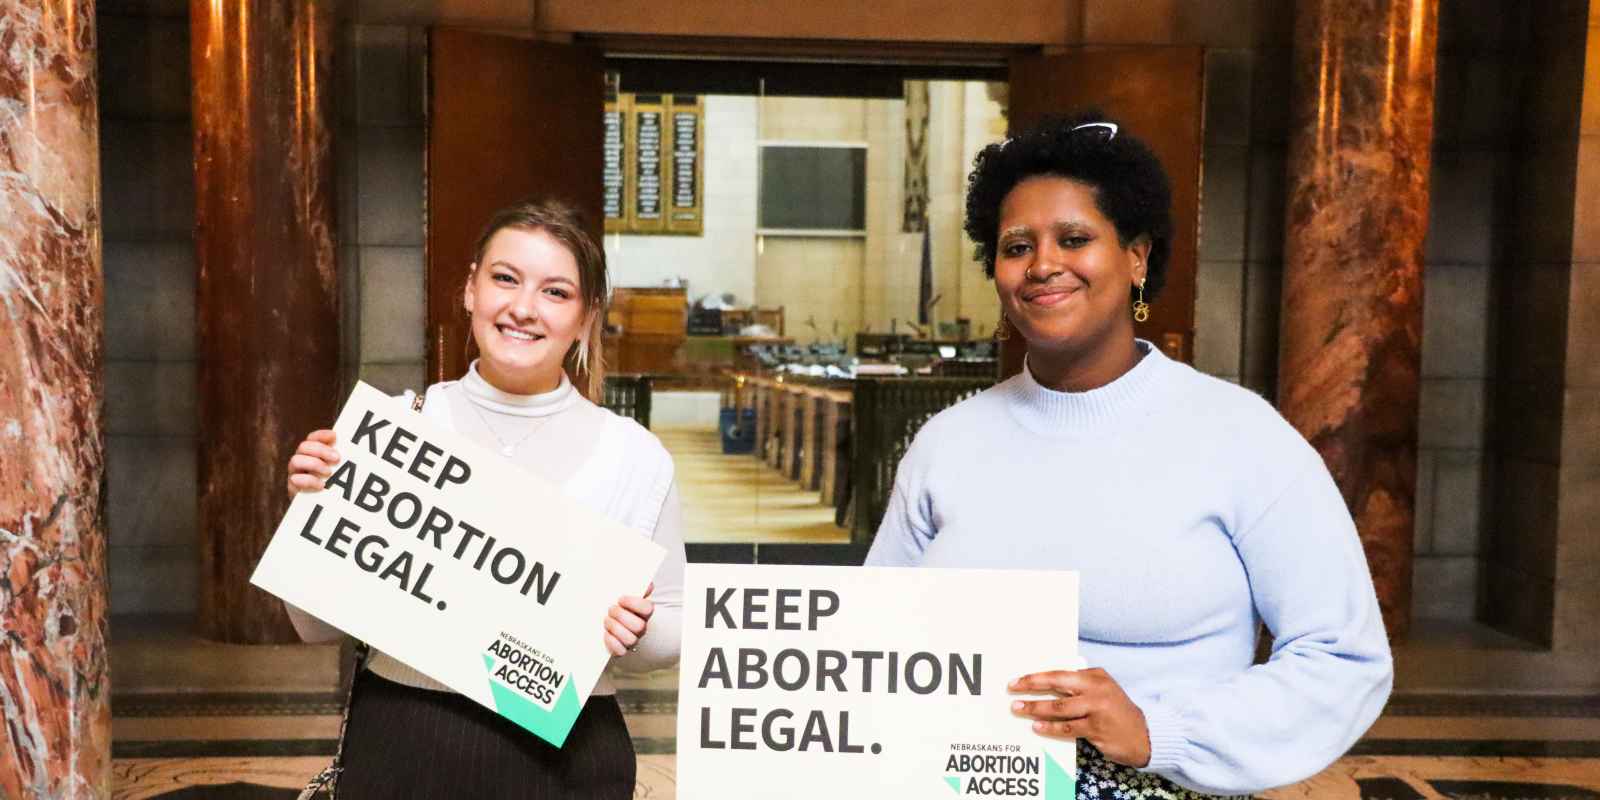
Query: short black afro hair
pixel 1131 187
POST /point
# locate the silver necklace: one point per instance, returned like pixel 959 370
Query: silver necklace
pixel 506 449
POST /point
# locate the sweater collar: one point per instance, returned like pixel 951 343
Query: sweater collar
pixel 1051 413
pixel 480 391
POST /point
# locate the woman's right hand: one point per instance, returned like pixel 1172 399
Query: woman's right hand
pixel 312 462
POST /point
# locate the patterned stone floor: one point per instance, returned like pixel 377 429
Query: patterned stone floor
pixel 263 747
pixel 1352 778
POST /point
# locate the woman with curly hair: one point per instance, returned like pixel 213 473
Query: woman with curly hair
pixel 1193 512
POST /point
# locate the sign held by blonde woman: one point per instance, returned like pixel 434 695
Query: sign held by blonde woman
pixel 459 563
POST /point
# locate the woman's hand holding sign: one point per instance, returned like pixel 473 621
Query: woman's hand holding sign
pixel 627 621
pixel 1090 705
pixel 312 462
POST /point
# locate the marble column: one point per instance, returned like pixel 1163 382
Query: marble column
pixel 54 688
pixel 1360 132
pixel 267 294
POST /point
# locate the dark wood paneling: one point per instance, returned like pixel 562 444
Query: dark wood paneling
pixel 786 78
pixel 266 286
pixel 1037 21
pixel 508 118
pixel 1157 95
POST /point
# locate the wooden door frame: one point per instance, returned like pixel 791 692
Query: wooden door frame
pixel 1129 93
pixel 912 58
pixel 453 223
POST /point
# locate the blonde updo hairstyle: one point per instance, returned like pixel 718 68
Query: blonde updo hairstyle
pixel 585 362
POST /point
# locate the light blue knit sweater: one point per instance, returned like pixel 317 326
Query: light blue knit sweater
pixel 1193 512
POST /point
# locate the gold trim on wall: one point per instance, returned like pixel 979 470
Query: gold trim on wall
pixel 616 178
pixel 647 164
pixel 649 127
pixel 686 192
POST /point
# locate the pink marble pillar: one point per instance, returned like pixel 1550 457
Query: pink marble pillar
pixel 54 689
pixel 1360 145
pixel 267 300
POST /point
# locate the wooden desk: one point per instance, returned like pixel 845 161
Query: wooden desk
pixel 820 437
pixel 763 392
pixel 652 324
pixel 738 318
pixel 834 477
pixel 723 354
pixel 810 441
pixel 788 424
pixel 888 413
pixel 788 461
pixel 770 404
pixel 802 428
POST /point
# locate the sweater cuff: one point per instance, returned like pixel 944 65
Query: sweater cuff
pixel 1168 737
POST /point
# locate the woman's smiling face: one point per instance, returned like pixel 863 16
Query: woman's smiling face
pixel 527 310
pixel 1060 269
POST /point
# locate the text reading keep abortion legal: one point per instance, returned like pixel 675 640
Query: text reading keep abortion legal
pixel 427 545
pixel 409 515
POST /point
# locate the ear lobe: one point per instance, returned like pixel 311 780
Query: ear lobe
pixel 466 289
pixel 1141 252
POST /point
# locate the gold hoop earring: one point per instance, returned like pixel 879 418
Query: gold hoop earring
pixel 1002 331
pixel 1141 309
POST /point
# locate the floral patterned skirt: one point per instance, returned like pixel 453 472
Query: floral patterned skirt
pixel 1101 779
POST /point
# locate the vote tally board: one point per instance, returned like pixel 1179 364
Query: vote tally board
pixel 807 682
pixel 459 563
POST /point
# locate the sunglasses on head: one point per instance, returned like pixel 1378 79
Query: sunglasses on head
pixel 1106 130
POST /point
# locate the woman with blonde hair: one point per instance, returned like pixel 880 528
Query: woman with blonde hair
pixel 536 294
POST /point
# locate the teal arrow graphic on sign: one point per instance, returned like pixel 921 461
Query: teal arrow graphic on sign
pixel 551 725
pixel 1058 785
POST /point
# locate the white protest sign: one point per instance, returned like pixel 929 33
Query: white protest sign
pixel 818 682
pixel 458 563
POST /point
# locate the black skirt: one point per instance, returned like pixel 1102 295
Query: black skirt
pixel 403 742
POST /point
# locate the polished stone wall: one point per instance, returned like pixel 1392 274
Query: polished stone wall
pixel 1361 129
pixel 54 676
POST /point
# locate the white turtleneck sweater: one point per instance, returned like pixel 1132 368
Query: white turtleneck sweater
pixel 1193 513
pixel 607 462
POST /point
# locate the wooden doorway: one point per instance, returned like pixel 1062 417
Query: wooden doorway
pixel 508 118
pixel 1157 92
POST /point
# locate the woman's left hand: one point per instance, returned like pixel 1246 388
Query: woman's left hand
pixel 627 621
pixel 1090 705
